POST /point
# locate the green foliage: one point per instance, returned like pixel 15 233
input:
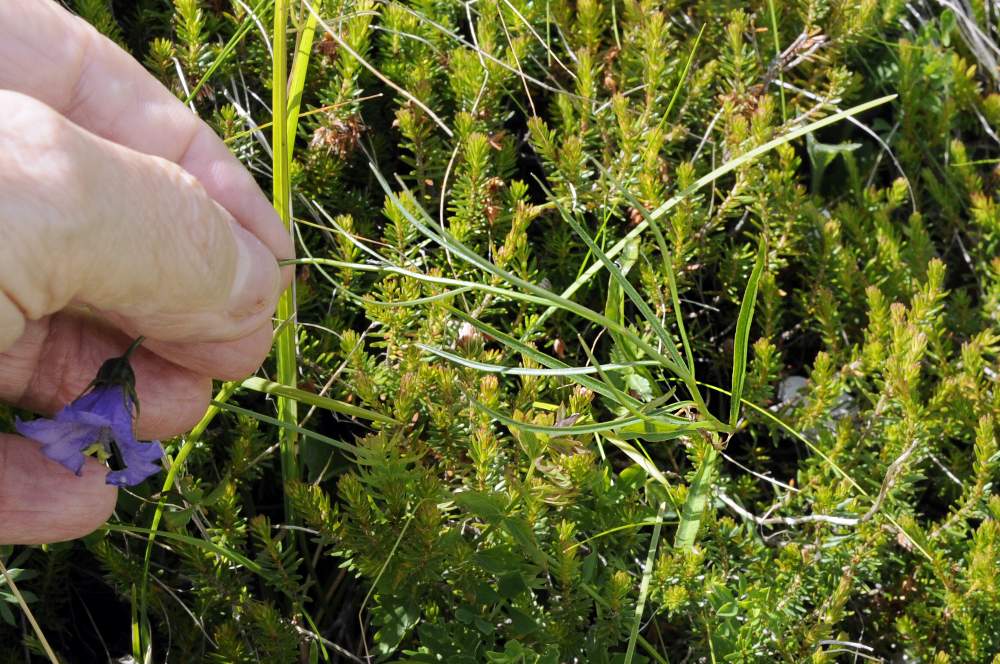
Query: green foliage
pixel 500 504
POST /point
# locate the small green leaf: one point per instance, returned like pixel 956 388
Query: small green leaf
pixel 728 610
pixel 640 460
pixel 525 538
pixel 486 507
pixel 397 621
pixel 511 585
pixel 639 385
pixel 178 518
pixel 485 626
pixel 522 623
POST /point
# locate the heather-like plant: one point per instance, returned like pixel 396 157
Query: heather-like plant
pixel 623 331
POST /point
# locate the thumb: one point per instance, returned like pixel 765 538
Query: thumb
pixel 42 502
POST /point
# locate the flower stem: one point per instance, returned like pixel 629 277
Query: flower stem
pixel 135 344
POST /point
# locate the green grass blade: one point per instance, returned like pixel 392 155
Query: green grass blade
pixel 298 80
pixel 683 78
pixel 647 574
pixel 603 603
pixel 332 442
pixel 227 50
pixel 660 418
pixel 596 427
pixel 26 610
pixel 545 360
pixel 604 388
pixel 668 264
pixel 659 429
pixel 675 364
pixel 416 302
pixel 445 240
pixel 614 307
pixel 639 459
pixel 750 155
pixel 419 276
pixel 699 493
pixel 742 339
pixel 650 521
pixel 777 54
pixel 142 639
pixel 705 180
pixel 288 392
pixel 619 396
pixel 204 544
pixel 522 371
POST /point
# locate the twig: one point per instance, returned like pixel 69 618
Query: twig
pixel 766 478
pixel 341 650
pixel 891 474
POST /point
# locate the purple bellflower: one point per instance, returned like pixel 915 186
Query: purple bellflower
pixel 100 423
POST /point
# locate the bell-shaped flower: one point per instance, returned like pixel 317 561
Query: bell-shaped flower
pixel 100 423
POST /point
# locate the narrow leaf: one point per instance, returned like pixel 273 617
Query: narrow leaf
pixel 285 391
pixel 647 574
pixel 523 371
pixel 697 498
pixel 742 339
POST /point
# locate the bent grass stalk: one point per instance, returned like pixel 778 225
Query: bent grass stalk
pixel 647 575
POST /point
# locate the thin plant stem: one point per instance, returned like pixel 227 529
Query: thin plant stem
pixel 9 580
pixel 138 637
pixel 285 347
pixel 777 54
pixel 647 574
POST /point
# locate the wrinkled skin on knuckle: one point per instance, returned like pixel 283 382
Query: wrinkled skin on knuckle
pixel 164 242
pixel 42 198
pixel 202 247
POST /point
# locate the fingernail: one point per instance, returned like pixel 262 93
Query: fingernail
pixel 256 284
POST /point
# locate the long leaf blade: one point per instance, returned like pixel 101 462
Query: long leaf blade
pixel 704 181
pixel 697 498
pixel 280 390
pixel 647 575
pixel 742 338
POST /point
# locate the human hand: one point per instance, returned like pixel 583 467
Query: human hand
pixel 122 214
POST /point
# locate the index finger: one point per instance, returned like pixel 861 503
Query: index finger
pixel 59 59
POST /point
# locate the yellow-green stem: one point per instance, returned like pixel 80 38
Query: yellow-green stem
pixel 140 635
pixel 287 372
